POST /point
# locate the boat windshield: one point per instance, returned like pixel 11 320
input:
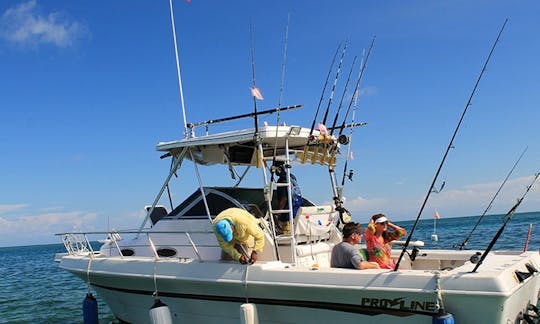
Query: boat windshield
pixel 221 198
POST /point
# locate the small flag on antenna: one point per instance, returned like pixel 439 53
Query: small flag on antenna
pixel 436 215
pixel 351 156
pixel 255 92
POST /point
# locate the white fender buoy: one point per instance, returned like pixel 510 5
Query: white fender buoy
pixel 160 313
pixel 434 237
pixel 90 309
pixel 248 314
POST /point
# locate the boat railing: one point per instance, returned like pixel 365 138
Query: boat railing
pixel 78 243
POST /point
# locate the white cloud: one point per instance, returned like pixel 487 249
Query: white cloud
pixel 24 25
pixel 473 199
pixel 9 208
pixel 468 200
pixel 19 226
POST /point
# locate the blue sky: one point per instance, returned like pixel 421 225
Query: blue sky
pixel 89 88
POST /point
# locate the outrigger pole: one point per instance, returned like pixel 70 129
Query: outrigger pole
pixel 450 145
pixel 506 220
pixel 178 70
pixel 464 243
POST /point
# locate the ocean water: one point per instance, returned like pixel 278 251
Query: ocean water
pixel 33 289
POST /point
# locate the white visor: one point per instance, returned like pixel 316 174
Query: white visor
pixel 381 220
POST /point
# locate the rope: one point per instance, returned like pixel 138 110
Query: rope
pixel 246 283
pixel 90 258
pixel 440 303
pixel 155 279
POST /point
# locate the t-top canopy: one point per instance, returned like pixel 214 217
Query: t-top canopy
pixel 239 147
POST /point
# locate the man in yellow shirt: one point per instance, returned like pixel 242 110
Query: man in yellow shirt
pixel 235 226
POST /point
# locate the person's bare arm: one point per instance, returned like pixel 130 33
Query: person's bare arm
pixel 368 265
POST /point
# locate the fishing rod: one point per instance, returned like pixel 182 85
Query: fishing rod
pixel 330 145
pixel 251 114
pixel 350 125
pixel 323 91
pixel 342 97
pixel 326 139
pixel 310 137
pixel 280 92
pixel 348 155
pixel 335 82
pixel 450 145
pixel 506 220
pixel 357 86
pixel 343 139
pixel 355 98
pixel 284 62
pixel 338 191
pixel 464 243
pixel 254 89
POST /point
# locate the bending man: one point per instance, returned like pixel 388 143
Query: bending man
pixel 234 228
pixel 346 253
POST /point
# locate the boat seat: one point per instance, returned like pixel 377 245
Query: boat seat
pixel 314 222
pixel 314 254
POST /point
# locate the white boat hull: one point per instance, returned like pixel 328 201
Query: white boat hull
pixel 212 292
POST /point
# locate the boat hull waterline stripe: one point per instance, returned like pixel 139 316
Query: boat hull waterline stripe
pixel 358 309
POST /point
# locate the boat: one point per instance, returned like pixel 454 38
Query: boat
pixel 175 254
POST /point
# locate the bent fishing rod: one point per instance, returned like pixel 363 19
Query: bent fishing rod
pixel 462 245
pixel 506 220
pixel 450 145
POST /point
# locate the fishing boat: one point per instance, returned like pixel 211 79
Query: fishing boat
pixel 174 255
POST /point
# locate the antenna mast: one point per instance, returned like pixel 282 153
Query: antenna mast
pixel 178 70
